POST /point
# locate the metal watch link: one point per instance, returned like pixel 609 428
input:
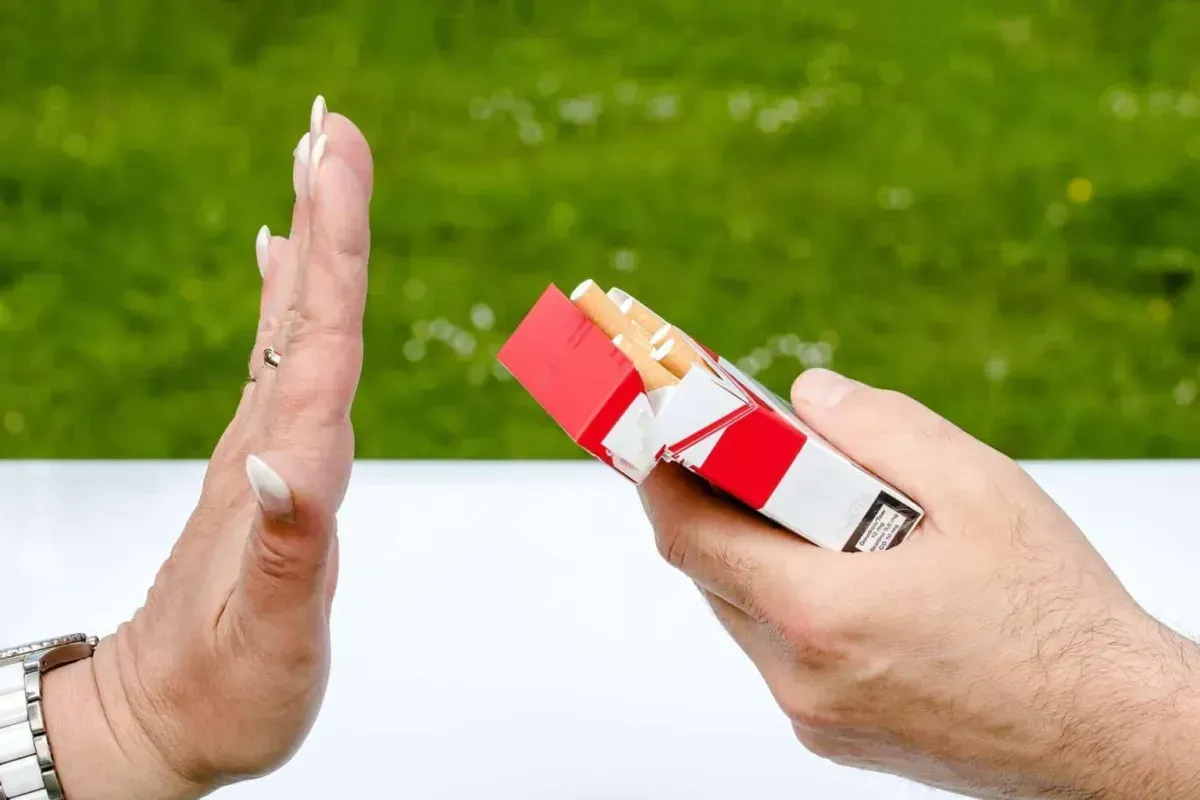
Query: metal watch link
pixel 26 764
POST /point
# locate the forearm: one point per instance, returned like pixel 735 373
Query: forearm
pixel 1142 739
pixel 98 749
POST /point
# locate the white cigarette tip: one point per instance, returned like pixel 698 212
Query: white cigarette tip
pixel 582 289
pixel 619 297
pixel 660 334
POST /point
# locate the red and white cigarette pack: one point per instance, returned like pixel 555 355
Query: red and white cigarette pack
pixel 725 427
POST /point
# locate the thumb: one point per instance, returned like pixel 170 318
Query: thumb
pixel 285 577
pixel 897 438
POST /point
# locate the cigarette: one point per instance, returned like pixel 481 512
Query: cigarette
pixel 678 357
pixel 654 375
pixel 617 295
pixel 606 315
pixel 643 316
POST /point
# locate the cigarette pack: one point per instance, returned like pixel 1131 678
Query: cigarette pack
pixel 714 420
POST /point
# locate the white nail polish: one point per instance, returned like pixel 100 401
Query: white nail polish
pixel 314 165
pixel 300 168
pixel 316 118
pixel 302 148
pixel 262 245
pixel 269 488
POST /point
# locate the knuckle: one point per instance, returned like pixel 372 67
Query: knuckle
pixel 899 406
pixel 352 244
pixel 889 407
pixel 303 330
pixel 742 575
pixel 268 326
pixel 743 569
pixel 817 638
pixel 808 713
pixel 674 544
pixel 276 560
pixel 737 575
pixel 342 329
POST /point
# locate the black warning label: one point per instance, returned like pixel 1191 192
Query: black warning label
pixel 887 522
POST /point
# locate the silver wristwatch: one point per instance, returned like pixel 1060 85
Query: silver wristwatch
pixel 26 764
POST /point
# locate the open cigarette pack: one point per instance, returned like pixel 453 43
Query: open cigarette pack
pixel 634 392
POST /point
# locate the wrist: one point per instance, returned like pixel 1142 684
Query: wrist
pixel 100 752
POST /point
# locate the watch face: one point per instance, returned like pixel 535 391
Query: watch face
pixel 37 647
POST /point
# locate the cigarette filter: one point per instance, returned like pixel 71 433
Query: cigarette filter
pixel 654 375
pixel 670 357
pixel 605 314
pixel 678 356
pixel 643 316
pixel 617 296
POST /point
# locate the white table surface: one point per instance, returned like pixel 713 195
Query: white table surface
pixel 507 630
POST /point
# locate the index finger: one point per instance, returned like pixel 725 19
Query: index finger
pixel 320 371
pixel 735 554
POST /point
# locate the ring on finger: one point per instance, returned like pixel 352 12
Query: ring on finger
pixel 270 357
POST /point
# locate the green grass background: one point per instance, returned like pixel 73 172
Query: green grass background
pixel 992 205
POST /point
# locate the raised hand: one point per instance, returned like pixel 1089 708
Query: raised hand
pixel 220 674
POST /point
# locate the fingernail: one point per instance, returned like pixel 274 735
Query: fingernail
pixel 314 165
pixel 274 496
pixel 300 168
pixel 262 244
pixel 316 117
pixel 301 149
pixel 821 388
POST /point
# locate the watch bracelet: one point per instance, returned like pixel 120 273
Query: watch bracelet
pixel 27 770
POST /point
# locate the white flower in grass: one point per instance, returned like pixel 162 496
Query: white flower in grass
pixel 740 105
pixel 1123 102
pixel 463 343
pixel 480 109
pixel 482 317
pixel 625 260
pixel 895 198
pixel 1185 392
pixel 414 349
pixel 580 110
pixel 531 132
pixel 768 120
pixel 663 107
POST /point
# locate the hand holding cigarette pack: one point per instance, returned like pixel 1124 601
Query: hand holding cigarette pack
pixel 635 391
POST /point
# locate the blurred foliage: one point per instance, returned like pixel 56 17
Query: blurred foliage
pixel 993 206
